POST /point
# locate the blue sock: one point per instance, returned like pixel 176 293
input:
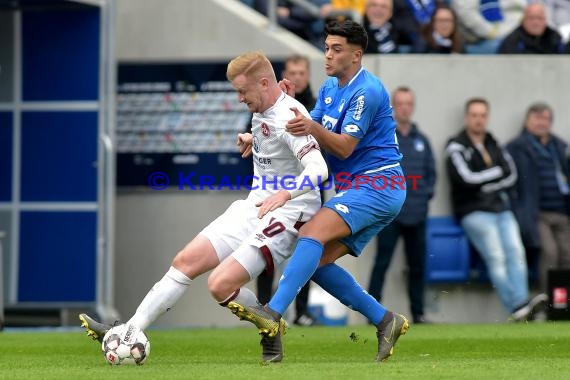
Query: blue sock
pixel 303 263
pixel 341 285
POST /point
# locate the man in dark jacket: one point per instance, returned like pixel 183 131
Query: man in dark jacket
pixel 533 36
pixel 381 33
pixel 542 196
pixel 411 222
pixel 481 174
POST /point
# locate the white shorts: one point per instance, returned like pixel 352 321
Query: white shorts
pixel 257 244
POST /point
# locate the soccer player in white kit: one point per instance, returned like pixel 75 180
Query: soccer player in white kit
pixel 256 233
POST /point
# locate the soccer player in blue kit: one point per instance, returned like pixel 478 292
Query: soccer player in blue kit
pixel 352 120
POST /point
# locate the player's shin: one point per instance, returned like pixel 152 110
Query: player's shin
pixel 303 263
pixel 341 285
pixel 161 298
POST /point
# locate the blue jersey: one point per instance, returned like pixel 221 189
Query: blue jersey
pixel 361 109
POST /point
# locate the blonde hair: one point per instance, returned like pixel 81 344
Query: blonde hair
pixel 253 64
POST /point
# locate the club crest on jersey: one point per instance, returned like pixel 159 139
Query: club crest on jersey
pixel 256 144
pixel 264 129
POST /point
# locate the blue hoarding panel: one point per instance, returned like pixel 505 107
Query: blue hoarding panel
pixel 60 55
pixel 59 156
pixel 6 129
pixel 57 257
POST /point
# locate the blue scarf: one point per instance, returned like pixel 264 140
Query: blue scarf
pixel 423 9
pixel 491 10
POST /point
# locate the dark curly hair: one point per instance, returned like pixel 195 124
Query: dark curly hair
pixel 353 32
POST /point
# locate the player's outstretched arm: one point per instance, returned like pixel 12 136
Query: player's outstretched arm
pixel 314 173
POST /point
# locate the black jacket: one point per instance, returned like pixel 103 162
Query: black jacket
pixel 306 98
pixel 474 186
pixel 526 193
pixel 520 42
pixel 417 160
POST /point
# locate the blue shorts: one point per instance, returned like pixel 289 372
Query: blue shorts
pixel 369 205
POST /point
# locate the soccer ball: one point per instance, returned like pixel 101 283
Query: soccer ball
pixel 125 344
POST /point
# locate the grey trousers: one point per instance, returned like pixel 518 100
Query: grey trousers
pixel 554 230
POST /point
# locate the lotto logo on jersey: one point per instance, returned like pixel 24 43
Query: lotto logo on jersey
pixel 264 129
pixel 351 128
pixel 359 107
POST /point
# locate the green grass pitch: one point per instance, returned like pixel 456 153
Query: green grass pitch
pixel 436 351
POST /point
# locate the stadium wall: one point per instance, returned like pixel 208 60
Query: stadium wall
pixel 153 226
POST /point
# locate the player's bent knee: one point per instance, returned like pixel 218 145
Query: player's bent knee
pixel 180 262
pixel 307 229
pixel 219 287
pixel 192 263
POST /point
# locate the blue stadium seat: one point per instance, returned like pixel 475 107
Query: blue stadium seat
pixel 451 258
pixel 448 251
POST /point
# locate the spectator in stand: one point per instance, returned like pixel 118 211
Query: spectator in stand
pixel 558 16
pixel 381 33
pixel 441 35
pixel 408 17
pixel 533 36
pixel 542 197
pixel 300 20
pixel 486 22
pixel 410 224
pixel 481 173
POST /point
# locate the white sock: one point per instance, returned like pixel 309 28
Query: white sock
pixel 163 295
pixel 246 297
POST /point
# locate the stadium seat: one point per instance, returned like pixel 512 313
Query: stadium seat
pixel 448 251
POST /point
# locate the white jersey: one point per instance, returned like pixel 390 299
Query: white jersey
pixel 277 153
